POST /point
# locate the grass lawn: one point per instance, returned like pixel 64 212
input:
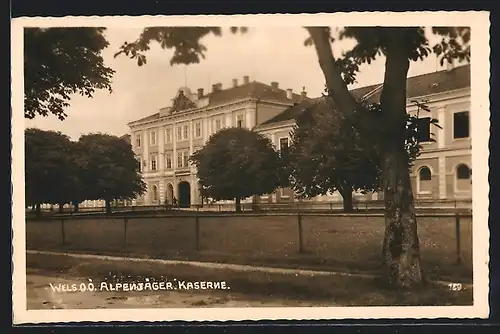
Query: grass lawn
pixel 322 290
pixel 352 244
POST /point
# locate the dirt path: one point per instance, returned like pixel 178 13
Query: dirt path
pixel 41 295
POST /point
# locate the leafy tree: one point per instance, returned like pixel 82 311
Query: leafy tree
pixel 387 129
pixel 236 163
pixel 109 168
pixel 59 62
pixel 328 154
pixel 50 168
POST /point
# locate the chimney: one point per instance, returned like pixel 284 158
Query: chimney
pixel 200 93
pixel 274 85
pixel 246 79
pixel 235 82
pixel 215 88
pixel 289 93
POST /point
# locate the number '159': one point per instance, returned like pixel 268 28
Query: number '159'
pixel 455 286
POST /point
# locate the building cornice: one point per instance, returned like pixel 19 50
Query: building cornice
pixel 188 114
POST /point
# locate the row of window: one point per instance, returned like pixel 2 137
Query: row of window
pixel 182 131
pixel 461 127
pixel 463 173
pixel 183 157
pixel 182 161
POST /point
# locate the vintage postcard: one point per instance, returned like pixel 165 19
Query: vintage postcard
pixel 250 167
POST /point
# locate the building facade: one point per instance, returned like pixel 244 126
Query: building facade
pixel 443 171
pixel 164 141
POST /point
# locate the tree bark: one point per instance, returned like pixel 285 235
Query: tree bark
pixel 238 204
pixel 108 207
pixel 401 250
pixel 346 192
pixel 347 202
pixel 61 207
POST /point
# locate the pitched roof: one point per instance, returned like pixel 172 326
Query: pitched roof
pixel 420 85
pixel 252 89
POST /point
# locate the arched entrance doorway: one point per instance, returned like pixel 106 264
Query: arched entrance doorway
pixel 169 195
pixel 184 194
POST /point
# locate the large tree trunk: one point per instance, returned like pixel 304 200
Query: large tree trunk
pixel 347 202
pixel 108 207
pixel 61 207
pixel 346 192
pixel 401 249
pixel 401 246
pixel 238 204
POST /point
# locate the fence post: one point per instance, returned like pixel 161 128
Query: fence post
pixel 197 232
pixel 457 231
pixel 125 223
pixel 63 233
pixel 301 243
pixel 366 209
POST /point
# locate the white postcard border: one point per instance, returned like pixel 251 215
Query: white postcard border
pixel 480 69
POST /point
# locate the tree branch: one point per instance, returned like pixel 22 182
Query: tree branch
pixel 344 102
pixel 337 87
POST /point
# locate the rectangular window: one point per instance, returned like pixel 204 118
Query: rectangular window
pixel 179 133
pixel 284 146
pixel 179 159
pixel 424 129
pixel 153 162
pixel 185 131
pixel 153 138
pixel 182 159
pixel 218 125
pixel 461 125
pixel 168 135
pixel 168 160
pixel 240 121
pixel 138 140
pixel 197 129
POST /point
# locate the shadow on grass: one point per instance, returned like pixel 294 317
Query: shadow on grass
pixel 325 290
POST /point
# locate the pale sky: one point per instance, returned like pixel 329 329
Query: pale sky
pixel 265 54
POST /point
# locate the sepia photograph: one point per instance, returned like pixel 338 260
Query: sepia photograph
pixel 250 167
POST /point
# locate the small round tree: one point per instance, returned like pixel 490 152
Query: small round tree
pixel 237 163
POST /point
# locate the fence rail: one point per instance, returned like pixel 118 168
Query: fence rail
pixel 121 225
pixel 464 205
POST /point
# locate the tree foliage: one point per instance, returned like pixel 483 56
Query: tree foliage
pixel 109 168
pixel 59 62
pixel 185 42
pixel 61 171
pixel 50 167
pixel 328 154
pixel 237 163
